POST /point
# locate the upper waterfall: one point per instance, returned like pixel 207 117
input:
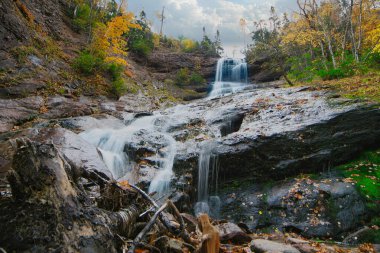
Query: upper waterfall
pixel 231 76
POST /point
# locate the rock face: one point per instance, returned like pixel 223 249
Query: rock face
pixel 326 207
pixel 253 136
pixel 167 61
pixel 276 133
pixel 258 71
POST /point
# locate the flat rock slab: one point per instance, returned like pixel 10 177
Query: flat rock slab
pixel 266 246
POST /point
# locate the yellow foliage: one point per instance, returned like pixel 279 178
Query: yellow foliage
pixel 116 60
pixel 299 32
pixel 108 40
pixel 373 37
pixel 156 40
pixel 188 44
pixel 371 28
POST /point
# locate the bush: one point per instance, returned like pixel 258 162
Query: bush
pixel 87 63
pixel 141 47
pixel 196 79
pixel 115 70
pixel 331 74
pixel 118 87
pixel 182 77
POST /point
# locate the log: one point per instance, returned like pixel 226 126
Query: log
pixel 147 228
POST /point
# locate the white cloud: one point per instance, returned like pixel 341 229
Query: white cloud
pixel 188 17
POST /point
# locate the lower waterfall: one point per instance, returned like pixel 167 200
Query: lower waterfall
pixel 207 183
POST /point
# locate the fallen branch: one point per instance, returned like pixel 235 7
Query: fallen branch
pixel 184 234
pixel 147 228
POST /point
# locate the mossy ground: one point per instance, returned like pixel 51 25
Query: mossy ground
pixel 364 172
pixel 363 87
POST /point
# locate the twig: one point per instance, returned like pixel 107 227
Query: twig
pixel 145 195
pixel 148 246
pixel 185 236
pixel 146 229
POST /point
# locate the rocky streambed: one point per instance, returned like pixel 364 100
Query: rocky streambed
pixel 252 147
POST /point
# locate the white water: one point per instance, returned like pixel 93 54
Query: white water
pixel 207 161
pixel 231 76
pixel 112 144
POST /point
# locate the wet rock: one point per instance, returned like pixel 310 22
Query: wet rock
pixel 266 246
pixel 327 207
pixel 230 232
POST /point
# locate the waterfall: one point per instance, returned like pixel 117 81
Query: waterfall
pixel 113 145
pixel 231 76
pixel 207 161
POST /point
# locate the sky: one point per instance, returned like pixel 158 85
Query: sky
pixel 188 17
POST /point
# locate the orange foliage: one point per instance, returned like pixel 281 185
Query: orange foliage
pixel 25 11
pixel 108 41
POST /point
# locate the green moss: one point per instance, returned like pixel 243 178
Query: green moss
pixel 365 171
pixel 87 63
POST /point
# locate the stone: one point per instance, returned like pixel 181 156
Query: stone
pixel 266 246
pixel 230 232
pixel 22 89
pixel 312 208
pixel 18 111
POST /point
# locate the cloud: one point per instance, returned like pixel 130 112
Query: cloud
pixel 188 17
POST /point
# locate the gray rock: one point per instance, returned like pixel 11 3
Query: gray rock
pixel 266 246
pixel 313 208
pixel 230 232
pixel 22 89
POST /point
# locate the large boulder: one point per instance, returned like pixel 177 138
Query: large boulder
pixel 324 208
pixel 275 133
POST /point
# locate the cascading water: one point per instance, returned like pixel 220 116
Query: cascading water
pixel 207 161
pixel 231 76
pixel 112 144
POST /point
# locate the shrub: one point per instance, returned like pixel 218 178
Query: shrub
pixel 182 77
pixel 87 63
pixel 141 47
pixel 188 45
pixel 82 17
pixel 118 87
pixel 115 70
pixel 196 79
pixel 331 74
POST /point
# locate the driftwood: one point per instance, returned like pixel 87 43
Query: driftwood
pixel 147 228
